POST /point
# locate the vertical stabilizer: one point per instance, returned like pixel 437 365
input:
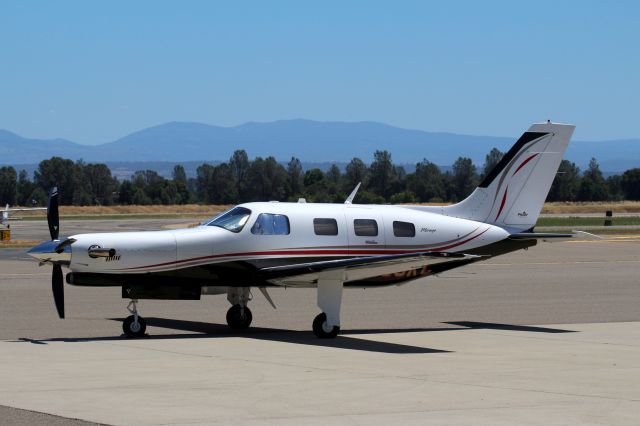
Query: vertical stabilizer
pixel 513 193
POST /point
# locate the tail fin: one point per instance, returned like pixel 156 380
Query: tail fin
pixel 513 193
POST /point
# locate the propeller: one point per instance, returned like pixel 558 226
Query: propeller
pixel 53 220
pixel 57 286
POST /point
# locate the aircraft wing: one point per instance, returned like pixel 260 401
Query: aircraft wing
pixel 359 268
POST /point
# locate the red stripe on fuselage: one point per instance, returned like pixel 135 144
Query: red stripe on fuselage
pixel 336 252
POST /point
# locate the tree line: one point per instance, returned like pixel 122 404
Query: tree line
pixel 241 180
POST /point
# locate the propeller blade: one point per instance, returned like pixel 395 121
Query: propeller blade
pixel 53 219
pixel 57 285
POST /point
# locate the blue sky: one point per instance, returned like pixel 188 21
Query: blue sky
pixel 95 71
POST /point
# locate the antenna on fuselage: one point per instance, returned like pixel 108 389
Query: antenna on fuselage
pixel 351 196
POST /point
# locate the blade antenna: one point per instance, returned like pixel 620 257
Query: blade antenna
pixel 351 196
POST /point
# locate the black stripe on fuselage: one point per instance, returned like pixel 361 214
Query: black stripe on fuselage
pixel 247 274
pixel 506 159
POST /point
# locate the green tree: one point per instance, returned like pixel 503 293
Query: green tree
pixel 295 177
pixel 382 174
pixel 593 187
pixel 125 193
pixel 266 180
pixel 491 160
pixel 169 193
pixel 151 183
pixel 614 188
pixel 463 179
pixel 140 198
pixel 427 182
pixel 99 182
pixel 203 177
pixel 334 174
pixel 566 183
pixel 631 184
pixel 316 185
pixel 178 174
pixel 57 172
pixel 182 184
pixel 240 167
pixel 222 188
pixel 356 172
pixel 8 185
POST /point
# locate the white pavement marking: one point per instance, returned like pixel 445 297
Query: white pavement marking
pixel 488 376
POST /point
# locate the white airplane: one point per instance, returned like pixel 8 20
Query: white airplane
pixel 4 219
pixel 323 246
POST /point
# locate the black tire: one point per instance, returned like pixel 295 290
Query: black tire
pixel 237 319
pixel 132 330
pixel 318 328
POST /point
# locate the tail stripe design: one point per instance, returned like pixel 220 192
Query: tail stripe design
pixel 524 162
pixel 513 192
pixel 504 199
pixel 526 138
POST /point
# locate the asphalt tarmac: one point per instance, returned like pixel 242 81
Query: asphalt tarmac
pixel 547 335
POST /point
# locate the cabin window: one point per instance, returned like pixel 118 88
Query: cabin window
pixel 365 227
pixel 403 229
pixel 271 224
pixel 232 220
pixel 325 226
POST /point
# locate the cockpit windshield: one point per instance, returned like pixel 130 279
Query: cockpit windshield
pixel 232 220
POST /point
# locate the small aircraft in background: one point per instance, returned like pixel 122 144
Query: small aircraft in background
pixel 4 219
pixel 324 246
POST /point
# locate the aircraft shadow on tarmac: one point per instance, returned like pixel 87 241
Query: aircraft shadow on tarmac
pixel 197 329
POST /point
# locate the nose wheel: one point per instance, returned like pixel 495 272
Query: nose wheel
pixel 134 325
pixel 239 317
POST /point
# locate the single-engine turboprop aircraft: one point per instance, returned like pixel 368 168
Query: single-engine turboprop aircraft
pixel 323 246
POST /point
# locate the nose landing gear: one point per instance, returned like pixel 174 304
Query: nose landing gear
pixel 239 316
pixel 134 325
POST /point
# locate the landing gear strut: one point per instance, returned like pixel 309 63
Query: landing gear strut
pixel 239 315
pixel 330 284
pixel 134 325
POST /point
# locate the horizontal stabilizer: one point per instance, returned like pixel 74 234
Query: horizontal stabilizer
pixel 552 238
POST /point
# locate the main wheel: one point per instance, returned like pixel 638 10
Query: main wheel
pixel 322 330
pixel 239 318
pixel 132 328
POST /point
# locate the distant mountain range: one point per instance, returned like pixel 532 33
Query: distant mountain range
pixel 311 141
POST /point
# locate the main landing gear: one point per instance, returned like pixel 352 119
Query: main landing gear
pixel 239 316
pixel 322 329
pixel 327 324
pixel 134 325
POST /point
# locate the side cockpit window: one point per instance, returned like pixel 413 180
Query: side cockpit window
pixel 325 226
pixel 271 224
pixel 403 229
pixel 232 220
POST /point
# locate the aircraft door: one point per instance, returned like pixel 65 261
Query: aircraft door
pixel 365 230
